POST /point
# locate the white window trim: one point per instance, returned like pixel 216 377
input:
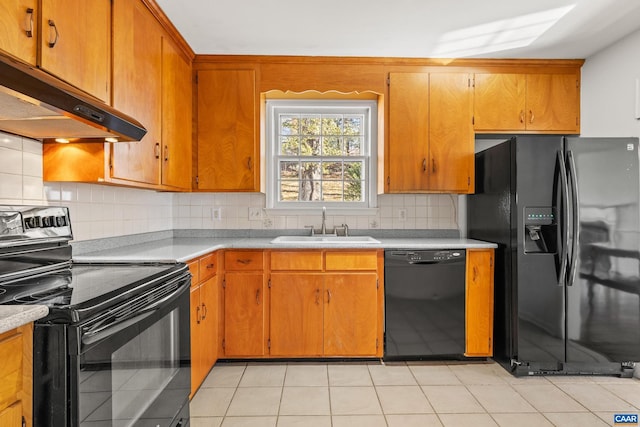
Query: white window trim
pixel 369 205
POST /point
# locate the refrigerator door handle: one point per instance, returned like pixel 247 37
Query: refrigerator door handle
pixel 575 200
pixel 564 255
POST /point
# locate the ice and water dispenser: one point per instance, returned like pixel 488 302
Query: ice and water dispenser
pixel 540 230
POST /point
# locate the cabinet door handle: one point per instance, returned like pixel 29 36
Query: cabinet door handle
pixel 521 116
pixel 249 163
pixel 198 315
pixel 424 165
pixel 328 296
pixel 531 116
pixel 204 311
pixel 156 150
pixel 166 153
pixel 52 27
pixel 475 273
pixel 433 165
pixel 317 296
pixel 258 297
pixel 29 27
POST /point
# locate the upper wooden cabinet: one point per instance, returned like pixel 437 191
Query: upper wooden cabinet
pixel 430 146
pixel 75 43
pixel 228 144
pixel 19 23
pixel 527 102
pixel 70 39
pixel 153 83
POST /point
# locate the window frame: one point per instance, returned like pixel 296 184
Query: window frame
pixel 277 107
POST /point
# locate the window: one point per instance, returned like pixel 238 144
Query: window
pixel 320 153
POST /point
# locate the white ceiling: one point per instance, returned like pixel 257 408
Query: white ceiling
pixel 404 28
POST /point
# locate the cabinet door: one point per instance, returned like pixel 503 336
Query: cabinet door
pixel 176 117
pixel 12 415
pixel 197 353
pixel 499 102
pixel 137 88
pixel 76 43
pixel 408 132
pixel 228 147
pixel 19 21
pixel 350 314
pixel 296 314
pixel 479 303
pixel 209 336
pixel 245 302
pixel 451 139
pixel 553 102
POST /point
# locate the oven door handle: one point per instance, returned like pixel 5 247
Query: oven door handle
pixel 103 331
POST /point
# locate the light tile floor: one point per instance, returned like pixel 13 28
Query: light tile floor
pixel 404 395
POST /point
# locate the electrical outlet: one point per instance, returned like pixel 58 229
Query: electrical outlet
pixel 216 213
pixel 267 223
pixel 255 214
pixel 402 214
pixel 373 224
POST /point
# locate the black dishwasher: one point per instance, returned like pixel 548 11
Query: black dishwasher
pixel 424 304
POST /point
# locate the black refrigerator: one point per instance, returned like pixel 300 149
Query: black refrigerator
pixel 564 213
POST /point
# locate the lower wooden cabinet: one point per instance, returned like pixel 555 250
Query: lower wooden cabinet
pixel 16 354
pixel 204 318
pixel 479 303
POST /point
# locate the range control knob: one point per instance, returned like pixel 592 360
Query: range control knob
pixel 61 221
pixel 32 222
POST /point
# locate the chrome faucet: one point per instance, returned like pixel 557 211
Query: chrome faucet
pixel 323 229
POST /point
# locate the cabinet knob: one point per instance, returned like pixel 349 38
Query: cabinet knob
pixel 53 31
pixel 29 22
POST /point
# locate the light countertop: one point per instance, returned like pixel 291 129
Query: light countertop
pixel 182 249
pixel 13 316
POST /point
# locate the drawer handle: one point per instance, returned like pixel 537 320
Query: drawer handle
pixel 52 27
pixel 29 29
pixel 258 297
pixel 210 266
pixel 244 261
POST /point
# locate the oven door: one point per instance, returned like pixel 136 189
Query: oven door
pixel 131 370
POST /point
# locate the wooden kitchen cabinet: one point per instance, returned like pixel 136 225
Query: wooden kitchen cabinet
pixel 527 102
pixel 19 19
pixel 152 83
pixel 16 353
pixel 479 303
pixel 246 303
pixel 431 145
pixel 227 135
pixel 75 43
pixel 325 304
pixel 204 318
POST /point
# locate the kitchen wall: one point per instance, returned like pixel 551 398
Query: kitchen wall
pixel 608 94
pixel 99 211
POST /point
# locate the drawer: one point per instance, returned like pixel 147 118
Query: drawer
pixel 208 266
pixel 195 271
pixel 11 367
pixel 296 260
pixel 345 260
pixel 243 260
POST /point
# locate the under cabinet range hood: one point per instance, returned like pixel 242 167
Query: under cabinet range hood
pixel 36 105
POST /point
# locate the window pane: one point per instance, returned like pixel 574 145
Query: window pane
pixel 310 124
pixel 289 191
pixel 331 146
pixel 353 191
pixel 332 170
pixel 332 191
pixel 353 146
pixel 310 174
pixel 353 125
pixel 289 170
pixel 289 125
pixel 353 171
pixel 310 146
pixel 332 124
pixel 290 145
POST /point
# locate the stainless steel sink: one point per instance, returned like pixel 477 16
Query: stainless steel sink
pixel 323 239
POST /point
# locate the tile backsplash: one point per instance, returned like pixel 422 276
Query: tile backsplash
pixel 99 211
